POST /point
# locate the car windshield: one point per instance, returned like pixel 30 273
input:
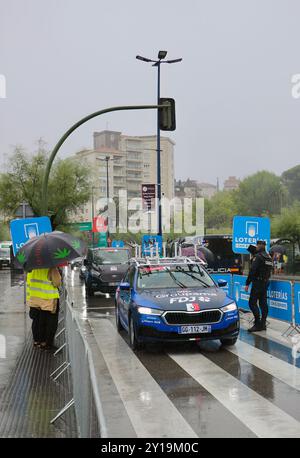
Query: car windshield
pixel 4 253
pixel 111 256
pixel 182 276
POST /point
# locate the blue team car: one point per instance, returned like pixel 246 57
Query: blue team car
pixel 174 299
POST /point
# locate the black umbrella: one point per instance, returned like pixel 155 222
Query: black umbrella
pixel 206 254
pixel 277 249
pixel 50 250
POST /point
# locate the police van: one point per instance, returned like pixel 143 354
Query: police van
pixel 5 254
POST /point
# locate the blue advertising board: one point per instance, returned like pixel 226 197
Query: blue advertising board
pixel 22 230
pixel 239 294
pixel 280 300
pixel 297 302
pixel 226 277
pixel 149 244
pixel 117 244
pixel 247 230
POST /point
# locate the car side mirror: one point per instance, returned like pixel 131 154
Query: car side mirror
pixel 222 283
pixel 125 286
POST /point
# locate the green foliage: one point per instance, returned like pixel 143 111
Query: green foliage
pixel 291 179
pixel 4 231
pixel 261 194
pixel 287 224
pixel 69 185
pixel 220 209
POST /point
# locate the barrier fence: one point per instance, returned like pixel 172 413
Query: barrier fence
pixel 86 399
pixel 283 297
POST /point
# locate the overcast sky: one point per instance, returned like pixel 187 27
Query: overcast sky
pixel 63 59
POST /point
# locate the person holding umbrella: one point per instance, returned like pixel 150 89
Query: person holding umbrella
pixel 40 258
pixel 42 294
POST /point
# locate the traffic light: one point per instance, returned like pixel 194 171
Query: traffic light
pixel 167 118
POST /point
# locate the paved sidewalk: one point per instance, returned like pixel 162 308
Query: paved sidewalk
pixel 29 399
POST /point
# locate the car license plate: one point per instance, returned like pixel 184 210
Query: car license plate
pixel 113 284
pixel 194 329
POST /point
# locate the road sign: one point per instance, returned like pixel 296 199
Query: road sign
pixel 148 196
pixel 152 245
pixel 22 230
pixel 100 224
pixel 247 230
pixel 86 226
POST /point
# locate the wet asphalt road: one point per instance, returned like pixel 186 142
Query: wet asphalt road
pixel 249 390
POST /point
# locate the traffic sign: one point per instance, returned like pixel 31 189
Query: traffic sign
pixel 100 224
pixel 22 230
pixel 152 245
pixel 148 196
pixel 247 230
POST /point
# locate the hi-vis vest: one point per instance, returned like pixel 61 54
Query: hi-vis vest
pixel 39 286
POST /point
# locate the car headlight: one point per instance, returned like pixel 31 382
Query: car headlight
pixel 149 311
pixel 232 307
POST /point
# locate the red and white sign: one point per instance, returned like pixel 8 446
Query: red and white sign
pixel 100 224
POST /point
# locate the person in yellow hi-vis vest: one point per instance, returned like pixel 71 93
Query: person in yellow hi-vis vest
pixel 42 296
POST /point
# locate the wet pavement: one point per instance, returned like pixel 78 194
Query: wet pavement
pixel 197 390
pixel 29 399
pixel 175 390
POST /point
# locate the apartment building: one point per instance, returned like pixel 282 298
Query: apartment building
pixel 130 162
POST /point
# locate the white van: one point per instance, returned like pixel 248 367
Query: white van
pixel 5 254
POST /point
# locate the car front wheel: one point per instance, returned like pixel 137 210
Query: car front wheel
pixel 134 343
pixel 229 342
pixel 118 321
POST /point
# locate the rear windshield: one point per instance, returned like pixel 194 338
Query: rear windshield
pixel 111 256
pixel 182 276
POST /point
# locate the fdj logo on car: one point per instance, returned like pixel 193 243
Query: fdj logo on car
pixel 247 230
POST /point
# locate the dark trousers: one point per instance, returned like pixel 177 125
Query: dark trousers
pixel 35 315
pixel 48 326
pixel 259 295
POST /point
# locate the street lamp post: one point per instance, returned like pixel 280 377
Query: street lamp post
pixel 156 63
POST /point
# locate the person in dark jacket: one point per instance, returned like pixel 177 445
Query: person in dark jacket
pixel 259 276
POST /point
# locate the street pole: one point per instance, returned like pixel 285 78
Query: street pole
pixel 107 195
pixel 158 155
pixel 93 216
pixel 156 63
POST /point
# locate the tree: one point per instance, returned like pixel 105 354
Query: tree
pixel 69 185
pixel 291 179
pixel 287 224
pixel 220 209
pixel 260 194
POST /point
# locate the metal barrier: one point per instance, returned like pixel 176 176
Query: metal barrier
pixel 86 399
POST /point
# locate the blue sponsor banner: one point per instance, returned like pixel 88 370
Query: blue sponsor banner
pixel 117 244
pixel 22 230
pixel 226 277
pixel 297 302
pixel 247 230
pixel 280 300
pixel 239 294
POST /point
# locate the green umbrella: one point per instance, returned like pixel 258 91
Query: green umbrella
pixel 50 250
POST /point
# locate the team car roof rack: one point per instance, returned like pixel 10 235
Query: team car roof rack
pixel 149 261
